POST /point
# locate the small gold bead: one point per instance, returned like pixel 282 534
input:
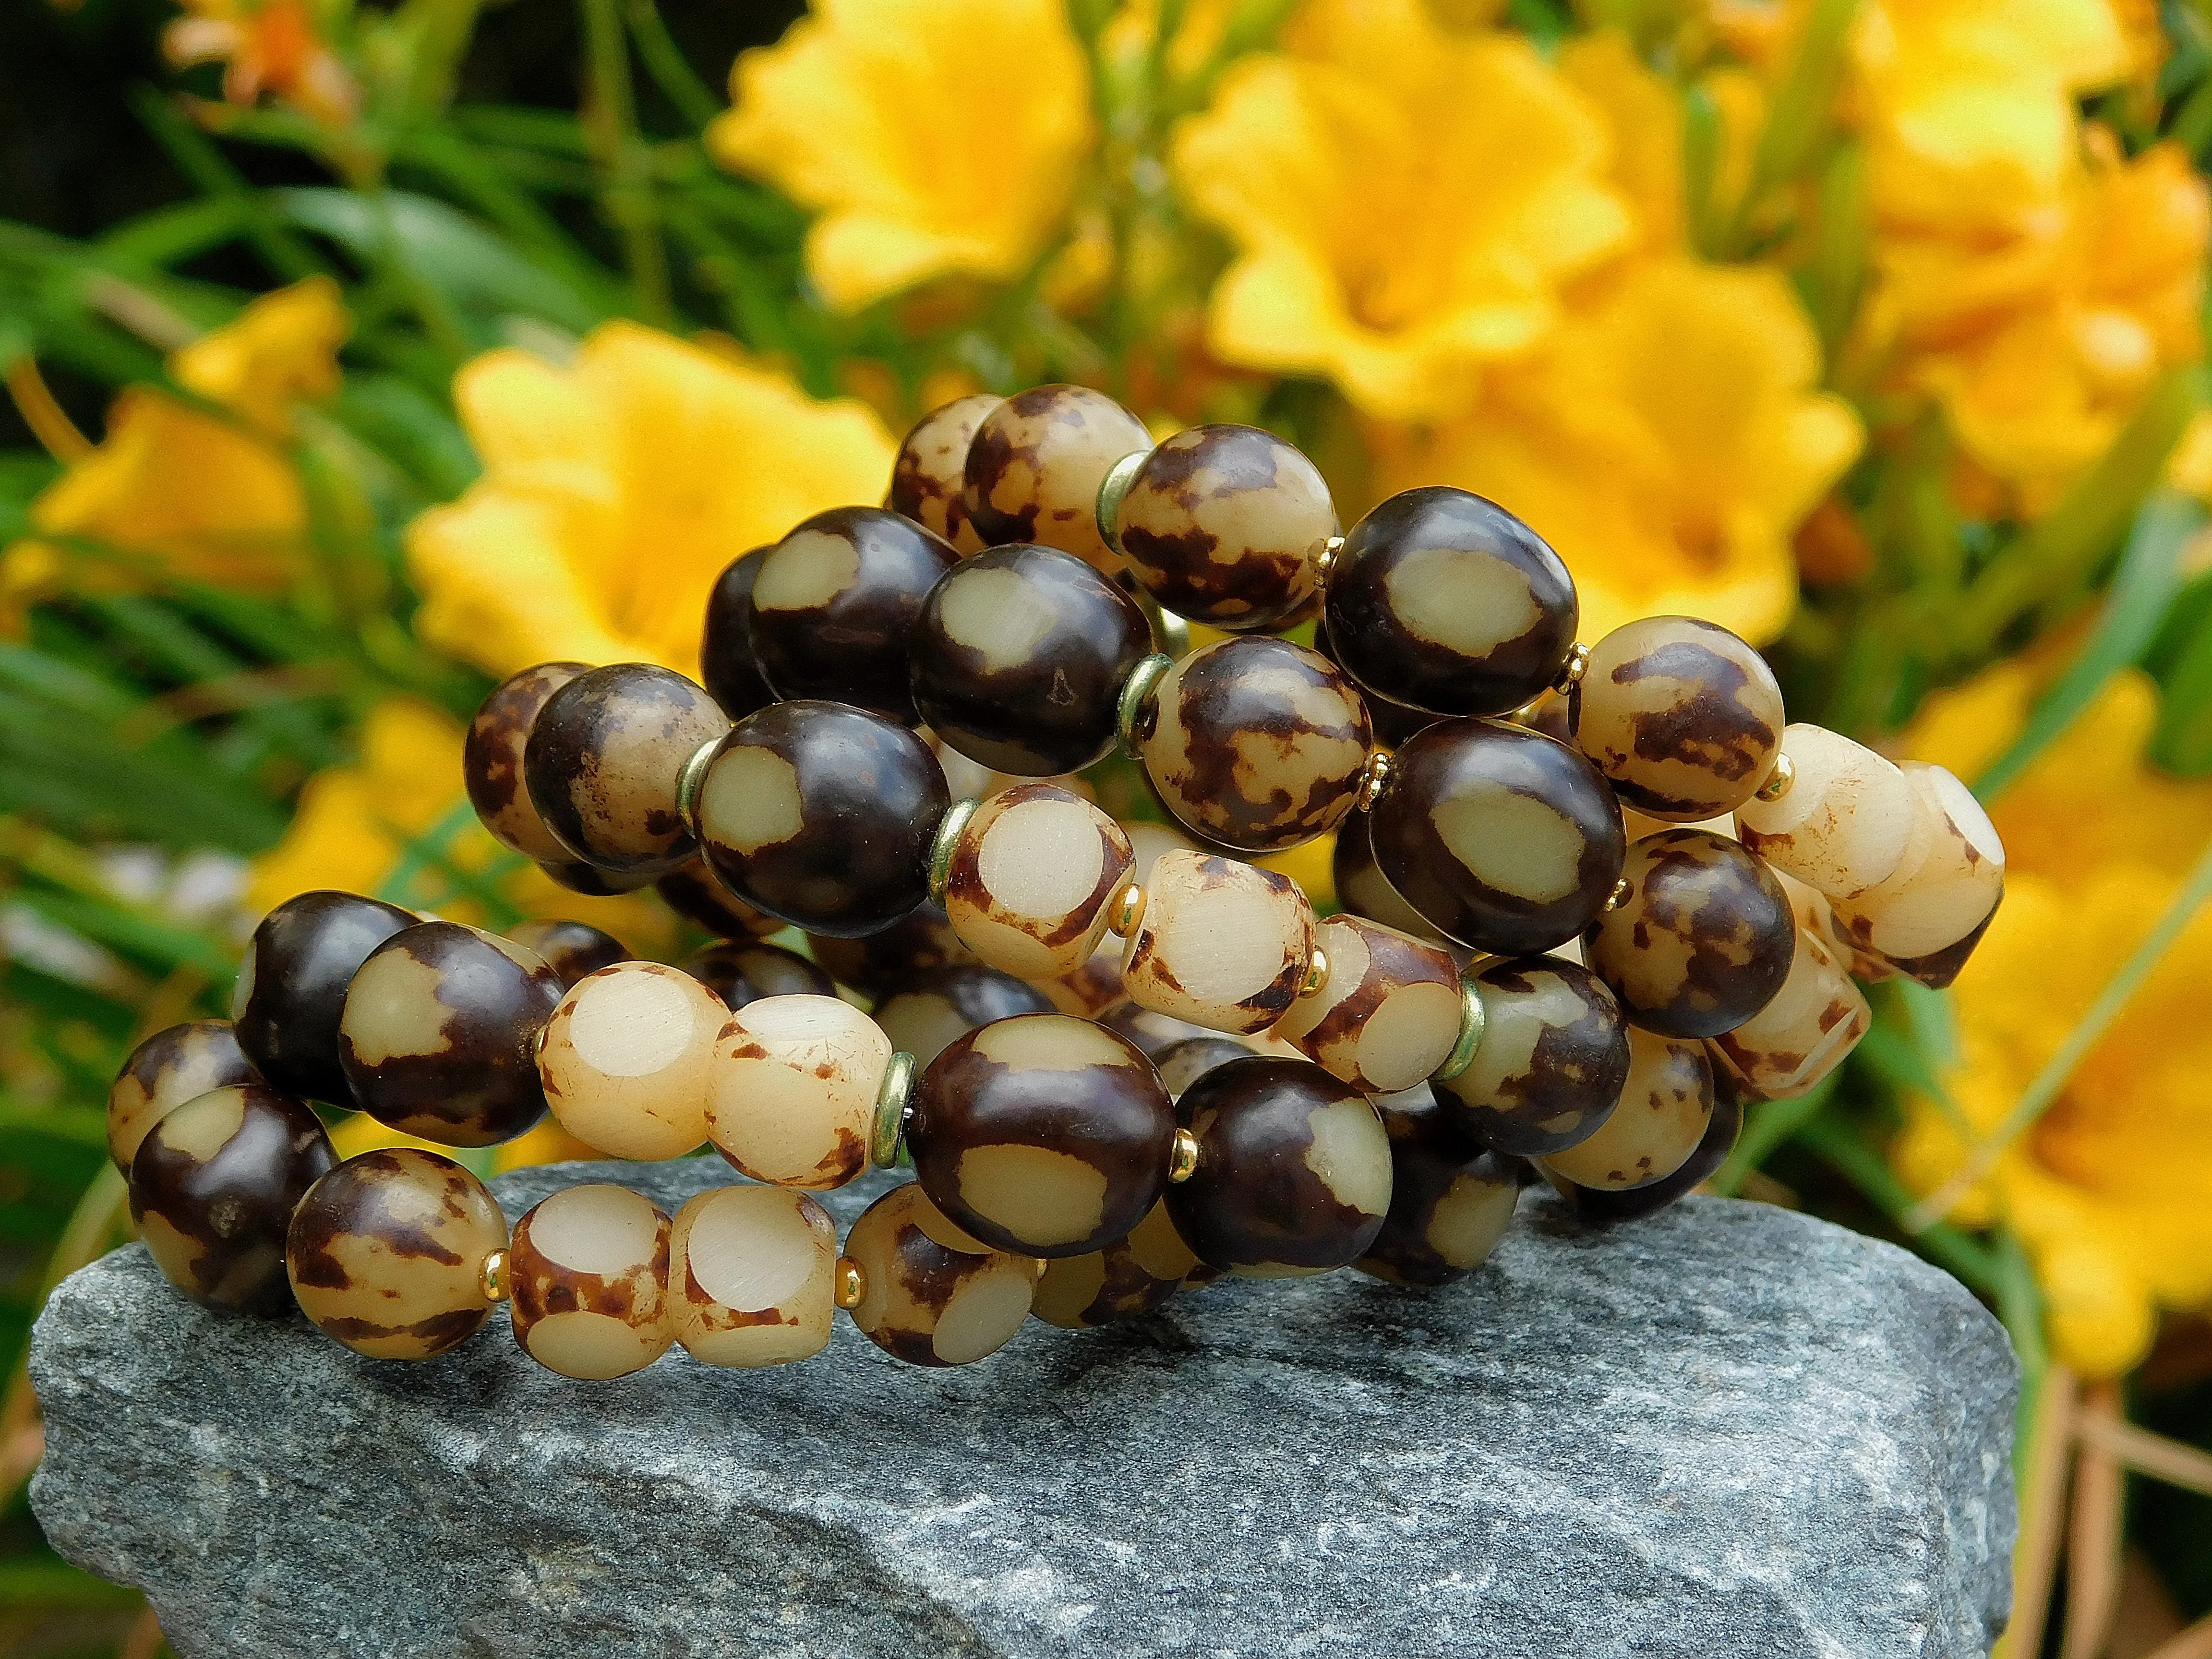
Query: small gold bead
pixel 1618 896
pixel 1374 781
pixel 1325 563
pixel 1112 489
pixel 1183 1161
pixel 1129 909
pixel 1571 673
pixel 851 1284
pixel 887 1132
pixel 494 1280
pixel 1038 1267
pixel 1316 972
pixel 1779 779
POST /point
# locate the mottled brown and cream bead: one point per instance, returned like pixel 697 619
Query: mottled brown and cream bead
pixel 491 759
pixel 1094 988
pixel 292 988
pixel 1700 941
pixel 625 1059
pixel 1293 1171
pixel 928 1304
pixel 440 1034
pixel 588 1283
pixel 695 893
pixel 604 761
pixel 1551 1061
pixel 1605 1204
pixel 929 475
pixel 791 1096
pixel 167 1069
pixel 213 1186
pixel 1182 1062
pixel 918 943
pixel 1123 1281
pixel 1844 823
pixel 1808 1030
pixel 1226 525
pixel 1388 1013
pixel 1925 920
pixel 1031 881
pixel 1451 1199
pixel 1221 944
pixel 1255 742
pixel 386 1253
pixel 570 949
pixel 1043 1134
pixel 1035 465
pixel 1362 889
pixel 743 973
pixel 1682 717
pixel 1664 1107
pixel 924 1015
pixel 751 1276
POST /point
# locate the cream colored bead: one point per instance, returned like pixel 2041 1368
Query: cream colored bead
pixel 1816 916
pixel 1845 822
pixel 587 1279
pixel 792 1094
pixel 1664 1107
pixel 1813 1024
pixel 1221 944
pixel 1927 917
pixel 927 1303
pixel 626 1057
pixel 1389 1014
pixel 1031 882
pixel 752 1276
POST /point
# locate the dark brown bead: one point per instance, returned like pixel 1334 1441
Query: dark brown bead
pixel 694 894
pixel 923 1015
pixel 590 880
pixel 1124 1280
pixel 1395 723
pixel 1442 600
pixel 880 962
pixel 570 949
pixel 605 760
pixel 1035 465
pixel 1703 939
pixel 928 1302
pixel 727 667
pixel 440 1034
pixel 836 603
pixel 167 1069
pixel 1682 717
pixel 1361 888
pixel 491 759
pixel 1504 839
pixel 823 814
pixel 1450 1197
pixel 213 1188
pixel 1596 1204
pixel 292 988
pixel 929 476
pixel 741 973
pixel 1182 1064
pixel 1294 1169
pixel 1153 1033
pixel 1553 1057
pixel 1019 658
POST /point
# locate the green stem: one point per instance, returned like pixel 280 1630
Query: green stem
pixel 1962 1257
pixel 1767 1126
pixel 2020 1304
pixel 665 62
pixel 626 192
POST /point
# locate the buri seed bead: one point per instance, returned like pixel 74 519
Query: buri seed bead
pixel 1700 941
pixel 727 667
pixel 791 1097
pixel 1442 600
pixel 1182 1062
pixel 1844 823
pixel 213 1186
pixel 836 604
pixel 1043 1134
pixel 1664 1109
pixel 167 1069
pixel 1032 878
pixel 823 814
pixel 1451 1199
pixel 1807 1029
pixel 926 1302
pixel 924 1015
pixel 386 1253
pixel 580 876
pixel 588 1283
pixel 1926 919
pixel 605 760
pixel 1255 742
pixel 919 942
pixel 570 949
pixel 1223 944
pixel 1362 889
pixel 1018 659
pixel 1122 1281
pixel 694 892
pixel 491 759
pixel 751 1276
pixel 1035 465
pixel 929 475
pixel 1552 1060
pixel 440 1035
pixel 1226 525
pixel 1390 1013
pixel 626 1057
pixel 1682 717
pixel 1605 1204
pixel 292 988
pixel 739 974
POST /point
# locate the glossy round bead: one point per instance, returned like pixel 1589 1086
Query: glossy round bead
pixel 213 1186
pixel 727 667
pixel 1019 656
pixel 929 475
pixel 1255 742
pixel 836 602
pixel 1442 600
pixel 386 1253
pixel 1032 880
pixel 1361 888
pixel 925 1014
pixel 1701 939
pixel 1035 465
pixel 292 986
pixel 1225 524
pixel 626 1056
pixel 1182 1062
pixel 1451 1199
pixel 588 1283
pixel 739 974
pixel 1122 1281
pixel 918 942
pixel 1150 1031
pixel 792 1095
pixel 1223 944
pixel 1552 1060
pixel 751 1276
pixel 604 761
pixel 1505 839
pixel 1925 920
pixel 1664 1107
pixel 167 1069
pixel 440 1034
pixel 928 1304
pixel 1389 1014
pixel 1844 823
pixel 823 815
pixel 1043 1134
pixel 1294 1169
pixel 1808 1030
pixel 1604 1204
pixel 580 876
pixel 1682 717
pixel 570 949
pixel 491 759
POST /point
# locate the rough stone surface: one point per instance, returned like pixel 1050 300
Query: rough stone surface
pixel 1728 1429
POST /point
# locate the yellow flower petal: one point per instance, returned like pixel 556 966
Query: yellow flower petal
pixel 282 349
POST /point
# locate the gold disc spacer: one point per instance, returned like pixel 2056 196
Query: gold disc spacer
pixel 1571 671
pixel 1128 911
pixel 850 1282
pixel 941 845
pixel 1182 1159
pixel 1374 781
pixel 1113 489
pixel 1618 897
pixel 1316 972
pixel 1472 1016
pixel 691 779
pixel 888 1129
pixel 493 1279
pixel 1136 697
pixel 1778 781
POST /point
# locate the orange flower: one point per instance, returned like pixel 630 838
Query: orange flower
pixel 268 46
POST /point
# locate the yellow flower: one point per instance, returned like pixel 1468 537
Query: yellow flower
pixel 269 45
pixel 282 351
pixel 932 136
pixel 616 490
pixel 1666 444
pixel 1405 203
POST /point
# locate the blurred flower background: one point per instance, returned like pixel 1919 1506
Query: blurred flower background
pixel 358 354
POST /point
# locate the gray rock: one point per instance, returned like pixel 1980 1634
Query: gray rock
pixel 1728 1429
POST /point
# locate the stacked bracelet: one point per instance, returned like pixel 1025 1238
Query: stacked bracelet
pixel 1594 897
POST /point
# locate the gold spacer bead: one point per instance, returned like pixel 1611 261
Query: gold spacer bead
pixel 1128 911
pixel 1038 1267
pixel 1316 972
pixel 1618 897
pixel 1136 697
pixel 1113 489
pixel 691 779
pixel 948 838
pixel 1571 671
pixel 1325 560
pixel 887 1131
pixel 1374 781
pixel 1778 781
pixel 493 1279
pixel 1183 1161
pixel 1472 1017
pixel 851 1282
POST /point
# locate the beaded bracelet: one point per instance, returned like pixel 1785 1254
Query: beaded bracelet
pixel 1229 1084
